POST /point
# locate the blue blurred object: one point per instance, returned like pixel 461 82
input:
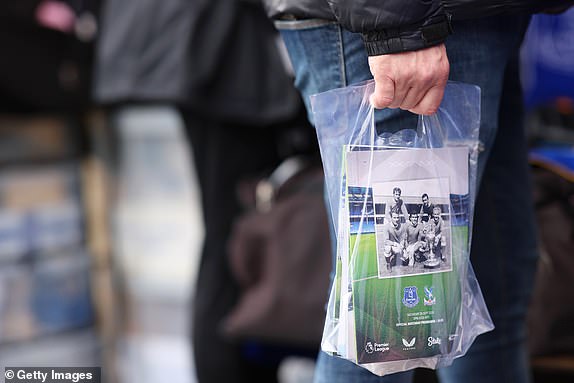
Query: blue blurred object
pixel 61 293
pixel 547 58
pixel 557 158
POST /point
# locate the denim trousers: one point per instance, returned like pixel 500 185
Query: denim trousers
pixel 504 249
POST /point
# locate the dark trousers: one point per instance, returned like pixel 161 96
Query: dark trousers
pixel 224 154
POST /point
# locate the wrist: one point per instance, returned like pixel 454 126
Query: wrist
pixel 394 40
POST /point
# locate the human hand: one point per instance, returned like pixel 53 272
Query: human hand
pixel 412 81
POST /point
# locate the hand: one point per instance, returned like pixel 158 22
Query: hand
pixel 412 81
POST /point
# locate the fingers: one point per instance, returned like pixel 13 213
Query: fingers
pixel 400 95
pixel 430 102
pixel 384 93
pixel 413 81
pixel 412 99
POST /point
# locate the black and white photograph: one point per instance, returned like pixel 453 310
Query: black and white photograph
pixel 408 212
pixel 412 227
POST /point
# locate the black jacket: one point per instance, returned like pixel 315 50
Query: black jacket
pixel 390 26
pixel 217 57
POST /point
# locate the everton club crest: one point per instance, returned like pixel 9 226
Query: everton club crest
pixel 410 297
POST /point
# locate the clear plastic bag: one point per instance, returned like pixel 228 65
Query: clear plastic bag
pixel 404 294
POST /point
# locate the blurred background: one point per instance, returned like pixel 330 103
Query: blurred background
pixel 101 220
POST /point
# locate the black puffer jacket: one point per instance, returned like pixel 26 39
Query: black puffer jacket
pixel 390 26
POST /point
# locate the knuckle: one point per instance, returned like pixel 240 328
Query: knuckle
pixel 384 99
pixel 444 71
pixel 424 110
pixel 409 72
pixel 381 101
pixel 407 106
pixel 426 77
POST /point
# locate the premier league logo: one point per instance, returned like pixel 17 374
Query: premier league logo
pixel 410 297
pixel 369 348
pixel 429 298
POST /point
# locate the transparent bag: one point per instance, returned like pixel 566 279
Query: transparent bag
pixel 404 294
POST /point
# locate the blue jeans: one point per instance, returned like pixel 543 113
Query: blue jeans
pixel 504 249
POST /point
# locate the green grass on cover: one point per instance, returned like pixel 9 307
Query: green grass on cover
pixel 378 302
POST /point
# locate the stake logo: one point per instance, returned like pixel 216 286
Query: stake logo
pixel 432 341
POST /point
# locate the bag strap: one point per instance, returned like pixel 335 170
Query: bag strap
pixel 267 189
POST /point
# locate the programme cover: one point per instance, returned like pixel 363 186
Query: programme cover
pixel 408 227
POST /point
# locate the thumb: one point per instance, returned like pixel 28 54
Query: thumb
pixel 384 93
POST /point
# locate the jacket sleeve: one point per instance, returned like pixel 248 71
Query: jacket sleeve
pixel 391 26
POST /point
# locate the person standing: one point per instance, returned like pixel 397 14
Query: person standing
pixel 426 208
pixel 396 205
pixel 217 62
pixel 410 50
pixel 243 117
